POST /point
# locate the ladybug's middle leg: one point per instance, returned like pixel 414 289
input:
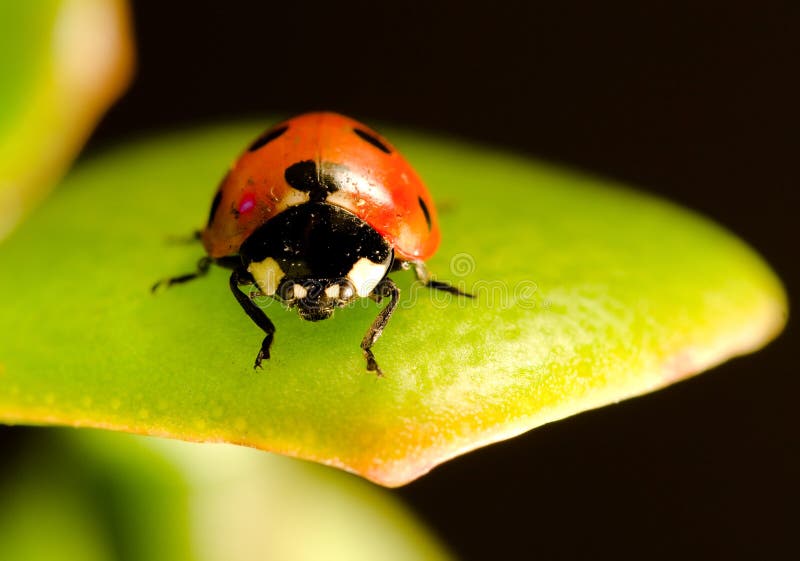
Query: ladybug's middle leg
pixel 202 269
pixel 424 276
pixel 386 288
pixel 238 278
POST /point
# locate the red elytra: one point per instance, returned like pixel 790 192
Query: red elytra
pixel 374 182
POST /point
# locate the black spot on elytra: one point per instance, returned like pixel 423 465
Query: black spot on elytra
pixel 425 211
pixel 214 207
pixel 268 136
pixel 372 139
pixel 305 176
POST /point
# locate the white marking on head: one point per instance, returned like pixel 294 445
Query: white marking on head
pixel 365 275
pixel 332 291
pixel 300 291
pixel 267 274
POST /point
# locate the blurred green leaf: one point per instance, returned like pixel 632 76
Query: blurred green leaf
pixel 135 499
pixel 249 505
pixel 47 514
pixel 587 293
pixel 62 63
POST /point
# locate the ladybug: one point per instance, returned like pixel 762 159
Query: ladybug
pixel 315 213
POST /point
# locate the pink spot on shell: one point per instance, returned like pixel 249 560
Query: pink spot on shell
pixel 247 203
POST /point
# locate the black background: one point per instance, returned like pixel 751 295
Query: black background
pixel 696 101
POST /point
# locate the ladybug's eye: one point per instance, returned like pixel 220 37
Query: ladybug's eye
pixel 286 291
pixel 341 291
pixel 346 291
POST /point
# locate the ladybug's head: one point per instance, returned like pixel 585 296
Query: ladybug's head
pixel 315 299
pixel 316 257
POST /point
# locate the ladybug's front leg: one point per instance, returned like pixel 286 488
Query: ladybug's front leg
pixel 385 288
pixel 238 278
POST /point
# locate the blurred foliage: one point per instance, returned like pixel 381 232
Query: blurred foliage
pixel 588 293
pixel 135 499
pixel 62 63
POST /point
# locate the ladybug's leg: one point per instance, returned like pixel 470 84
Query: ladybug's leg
pixel 239 277
pixel 386 288
pixel 423 275
pixel 203 266
pixel 230 262
pixel 195 236
pixel 202 269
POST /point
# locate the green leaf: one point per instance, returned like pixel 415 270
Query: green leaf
pixel 47 515
pixel 62 63
pixel 110 495
pixel 124 497
pixel 587 293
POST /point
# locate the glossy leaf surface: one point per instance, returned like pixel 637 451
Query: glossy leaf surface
pixel 587 293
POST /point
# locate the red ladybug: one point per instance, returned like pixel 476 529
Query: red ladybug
pixel 316 213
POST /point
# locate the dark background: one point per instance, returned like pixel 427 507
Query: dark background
pixel 696 101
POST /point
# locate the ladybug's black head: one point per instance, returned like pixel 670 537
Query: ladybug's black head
pixel 316 257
